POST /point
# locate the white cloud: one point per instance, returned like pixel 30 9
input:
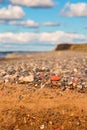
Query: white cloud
pixel 32 24
pixel 77 9
pixel 51 24
pixel 61 37
pixel 34 3
pixel 17 38
pixel 28 23
pixel 11 13
pixel 44 37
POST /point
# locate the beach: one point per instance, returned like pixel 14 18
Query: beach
pixel 44 91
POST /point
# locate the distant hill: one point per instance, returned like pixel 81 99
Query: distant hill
pixel 73 47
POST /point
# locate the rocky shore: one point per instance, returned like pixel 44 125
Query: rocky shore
pixel 44 77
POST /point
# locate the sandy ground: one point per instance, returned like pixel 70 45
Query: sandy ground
pixel 44 108
pixel 55 109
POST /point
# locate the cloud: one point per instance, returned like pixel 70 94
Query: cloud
pixel 51 24
pixel 11 13
pixel 61 37
pixel 19 38
pixel 28 23
pixel 44 37
pixel 77 9
pixel 34 3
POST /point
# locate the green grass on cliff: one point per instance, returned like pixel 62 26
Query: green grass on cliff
pixel 73 47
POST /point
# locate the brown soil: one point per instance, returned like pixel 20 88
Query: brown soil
pixel 47 108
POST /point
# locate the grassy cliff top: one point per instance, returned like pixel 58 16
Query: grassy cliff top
pixel 73 47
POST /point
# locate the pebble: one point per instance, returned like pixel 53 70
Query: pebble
pixel 57 128
pixel 63 88
pixel 75 70
pixel 3 73
pixel 21 97
pixel 65 71
pixel 42 127
pixel 54 78
pixel 50 122
pixel 27 79
pixel 80 87
pixel 78 123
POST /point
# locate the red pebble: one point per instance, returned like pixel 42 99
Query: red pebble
pixel 57 128
pixel 54 78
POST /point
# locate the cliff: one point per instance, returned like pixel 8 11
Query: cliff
pixel 73 47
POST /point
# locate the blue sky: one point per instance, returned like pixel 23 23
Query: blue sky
pixel 36 25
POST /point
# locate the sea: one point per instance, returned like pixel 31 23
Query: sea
pixel 3 54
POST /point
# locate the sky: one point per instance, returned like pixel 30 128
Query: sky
pixel 39 25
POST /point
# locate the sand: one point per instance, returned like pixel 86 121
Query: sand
pixel 43 108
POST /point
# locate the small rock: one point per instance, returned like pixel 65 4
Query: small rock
pixel 27 79
pixel 80 87
pixel 78 123
pixel 7 80
pixel 57 128
pixel 54 78
pixel 75 70
pixel 20 97
pixel 50 122
pixel 42 127
pixel 63 88
pixel 70 82
pixel 3 73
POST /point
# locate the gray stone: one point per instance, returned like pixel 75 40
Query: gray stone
pixel 27 79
